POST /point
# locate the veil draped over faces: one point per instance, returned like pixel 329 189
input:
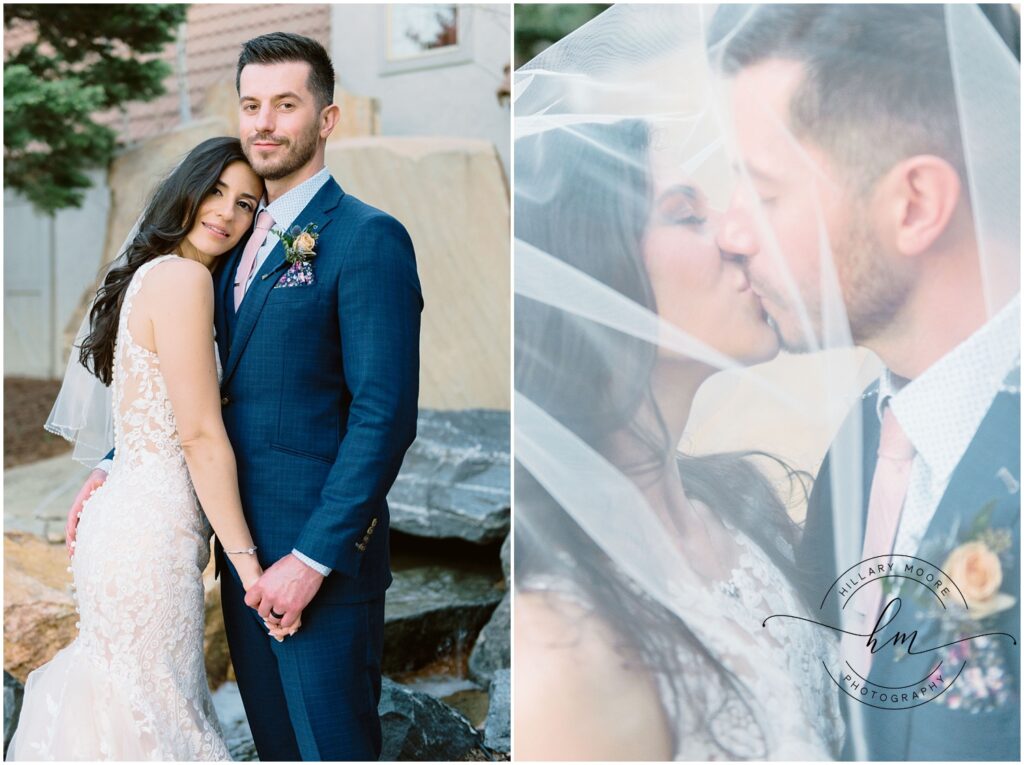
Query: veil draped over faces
pixel 654 187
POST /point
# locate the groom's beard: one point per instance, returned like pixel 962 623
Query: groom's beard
pixel 872 292
pixel 293 156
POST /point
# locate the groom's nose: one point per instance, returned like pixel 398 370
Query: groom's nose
pixel 736 232
pixel 265 119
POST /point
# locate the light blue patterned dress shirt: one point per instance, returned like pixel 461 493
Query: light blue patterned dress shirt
pixel 941 410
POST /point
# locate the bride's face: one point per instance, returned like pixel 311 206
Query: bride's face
pixel 696 287
pixel 227 212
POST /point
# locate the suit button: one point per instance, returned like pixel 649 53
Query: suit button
pixel 225 401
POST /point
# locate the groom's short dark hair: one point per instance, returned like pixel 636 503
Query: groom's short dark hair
pixel 878 84
pixel 283 47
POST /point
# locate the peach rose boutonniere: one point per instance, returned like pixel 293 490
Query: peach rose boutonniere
pixel 299 243
pixel 976 569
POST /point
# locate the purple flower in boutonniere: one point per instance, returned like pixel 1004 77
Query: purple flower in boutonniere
pixel 299 243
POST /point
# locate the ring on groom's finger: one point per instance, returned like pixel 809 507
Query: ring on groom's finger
pixel 275 614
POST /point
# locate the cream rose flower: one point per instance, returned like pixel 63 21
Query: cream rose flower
pixel 304 243
pixel 976 571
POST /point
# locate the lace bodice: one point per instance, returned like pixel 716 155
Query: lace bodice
pixel 787 707
pixel 144 426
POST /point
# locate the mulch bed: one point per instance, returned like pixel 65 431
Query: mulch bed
pixel 26 406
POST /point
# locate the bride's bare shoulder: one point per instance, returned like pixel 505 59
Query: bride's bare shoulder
pixel 179 272
pixel 178 287
pixel 579 692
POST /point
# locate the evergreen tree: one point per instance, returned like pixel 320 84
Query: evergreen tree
pixel 83 60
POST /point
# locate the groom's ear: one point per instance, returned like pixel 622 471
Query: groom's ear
pixel 329 117
pixel 918 197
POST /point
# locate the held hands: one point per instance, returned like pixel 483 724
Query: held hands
pixel 95 480
pixel 287 587
pixel 250 572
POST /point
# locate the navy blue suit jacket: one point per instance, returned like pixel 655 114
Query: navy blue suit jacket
pixel 934 731
pixel 319 392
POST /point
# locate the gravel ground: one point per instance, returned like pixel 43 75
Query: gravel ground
pixel 26 406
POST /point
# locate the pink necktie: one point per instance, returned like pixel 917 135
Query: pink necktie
pixel 888 492
pixel 259 235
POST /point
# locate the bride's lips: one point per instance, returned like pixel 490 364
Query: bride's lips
pixel 215 230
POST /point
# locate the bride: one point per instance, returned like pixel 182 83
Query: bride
pixel 604 669
pixel 133 686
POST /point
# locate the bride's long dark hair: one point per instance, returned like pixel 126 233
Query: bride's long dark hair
pixel 565 367
pixel 169 216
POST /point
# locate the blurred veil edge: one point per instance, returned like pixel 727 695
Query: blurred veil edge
pixel 83 411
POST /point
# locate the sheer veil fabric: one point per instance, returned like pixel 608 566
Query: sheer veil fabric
pixel 649 250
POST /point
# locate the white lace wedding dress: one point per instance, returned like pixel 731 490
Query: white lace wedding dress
pixel 786 707
pixel 133 685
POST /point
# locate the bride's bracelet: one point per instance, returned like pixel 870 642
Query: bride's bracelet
pixel 247 551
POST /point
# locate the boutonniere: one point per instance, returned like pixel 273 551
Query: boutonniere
pixel 299 243
pixel 976 569
pixel 976 565
pixel 976 561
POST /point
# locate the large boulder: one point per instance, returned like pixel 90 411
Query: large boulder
pixel 39 610
pixel 14 692
pixel 492 650
pixel 433 611
pixel 498 728
pixel 416 726
pixel 455 481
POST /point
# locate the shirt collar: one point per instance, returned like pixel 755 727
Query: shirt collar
pixel 941 409
pixel 286 208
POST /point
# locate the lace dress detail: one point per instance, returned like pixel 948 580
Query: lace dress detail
pixel 786 707
pixel 133 685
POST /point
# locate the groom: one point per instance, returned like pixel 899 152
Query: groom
pixel 941 427
pixel 319 395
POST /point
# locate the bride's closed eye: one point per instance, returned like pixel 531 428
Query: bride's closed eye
pixel 682 205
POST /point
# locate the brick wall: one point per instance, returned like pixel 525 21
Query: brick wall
pixel 214 34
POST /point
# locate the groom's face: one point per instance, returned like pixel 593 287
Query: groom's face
pixel 279 122
pixel 798 228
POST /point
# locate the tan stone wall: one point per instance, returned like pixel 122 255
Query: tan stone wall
pixel 452 197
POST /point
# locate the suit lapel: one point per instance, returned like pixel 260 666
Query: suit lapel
pixel 318 212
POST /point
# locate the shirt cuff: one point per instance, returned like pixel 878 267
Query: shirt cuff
pixel 318 567
pixel 105 466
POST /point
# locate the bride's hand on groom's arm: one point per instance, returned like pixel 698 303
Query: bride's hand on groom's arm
pixel 287 587
pixel 95 480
